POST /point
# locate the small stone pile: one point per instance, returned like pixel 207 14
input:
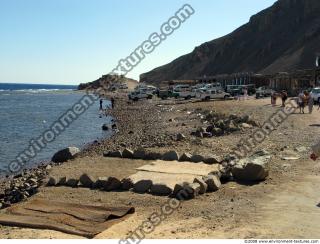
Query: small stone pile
pixel 220 125
pixel 22 186
pixel 167 156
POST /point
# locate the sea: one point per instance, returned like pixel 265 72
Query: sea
pixel 28 110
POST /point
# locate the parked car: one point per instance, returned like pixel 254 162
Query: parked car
pixel 236 90
pixel 150 89
pixel 186 94
pixel 184 91
pixel 165 94
pixel 140 94
pixel 233 90
pixel 315 94
pixel 213 94
pixel 180 88
pixel 213 86
pixel 263 91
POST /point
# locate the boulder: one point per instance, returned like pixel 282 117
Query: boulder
pixel 220 124
pixel 197 158
pixel 170 156
pixel 254 168
pixel 153 156
pixel 53 181
pixel 101 183
pixel 232 127
pixel 62 181
pixel 72 182
pixel 87 180
pixel 180 137
pixel 245 118
pixel 127 153
pixel 65 154
pixel 210 128
pixel 203 185
pixel 126 184
pixel 115 154
pixel 160 190
pixel 212 159
pixel 192 190
pixel 213 182
pixel 177 188
pixel 142 186
pixel 105 127
pixel 186 157
pixel 112 184
pixel 139 154
pixel 217 132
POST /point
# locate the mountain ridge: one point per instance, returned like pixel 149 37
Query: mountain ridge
pixel 283 37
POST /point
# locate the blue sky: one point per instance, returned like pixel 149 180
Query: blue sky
pixel 73 41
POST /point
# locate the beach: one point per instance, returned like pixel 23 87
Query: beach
pixel 263 210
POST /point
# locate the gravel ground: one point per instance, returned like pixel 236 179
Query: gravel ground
pixel 236 210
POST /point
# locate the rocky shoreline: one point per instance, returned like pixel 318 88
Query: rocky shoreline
pixel 16 188
pixel 128 120
pixel 155 128
pixel 136 127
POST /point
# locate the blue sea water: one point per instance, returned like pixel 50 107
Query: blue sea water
pixel 27 111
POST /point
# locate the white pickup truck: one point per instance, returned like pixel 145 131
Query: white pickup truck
pixel 185 92
pixel 212 94
pixel 140 94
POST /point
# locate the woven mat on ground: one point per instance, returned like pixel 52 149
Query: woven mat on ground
pixel 76 219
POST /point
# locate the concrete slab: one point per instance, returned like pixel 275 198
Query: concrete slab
pixel 175 167
pixel 165 175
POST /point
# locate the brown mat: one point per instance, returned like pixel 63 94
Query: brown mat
pixel 76 219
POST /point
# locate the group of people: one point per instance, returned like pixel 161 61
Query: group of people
pixel 305 100
pixel 283 95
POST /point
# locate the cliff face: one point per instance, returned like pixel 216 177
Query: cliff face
pixel 283 37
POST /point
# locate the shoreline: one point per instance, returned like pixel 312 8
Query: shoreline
pixel 38 171
pixel 154 125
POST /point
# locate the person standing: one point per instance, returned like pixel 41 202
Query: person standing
pixel 112 103
pixel 301 100
pixel 101 104
pixel 310 103
pixel 273 99
pixel 284 97
pixel 245 93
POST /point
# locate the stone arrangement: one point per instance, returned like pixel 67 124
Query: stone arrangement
pixel 183 177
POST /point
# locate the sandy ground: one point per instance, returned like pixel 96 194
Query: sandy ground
pixel 286 205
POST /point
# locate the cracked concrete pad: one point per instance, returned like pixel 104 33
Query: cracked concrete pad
pixel 175 167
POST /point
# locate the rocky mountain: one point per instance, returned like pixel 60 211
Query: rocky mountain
pixel 283 37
